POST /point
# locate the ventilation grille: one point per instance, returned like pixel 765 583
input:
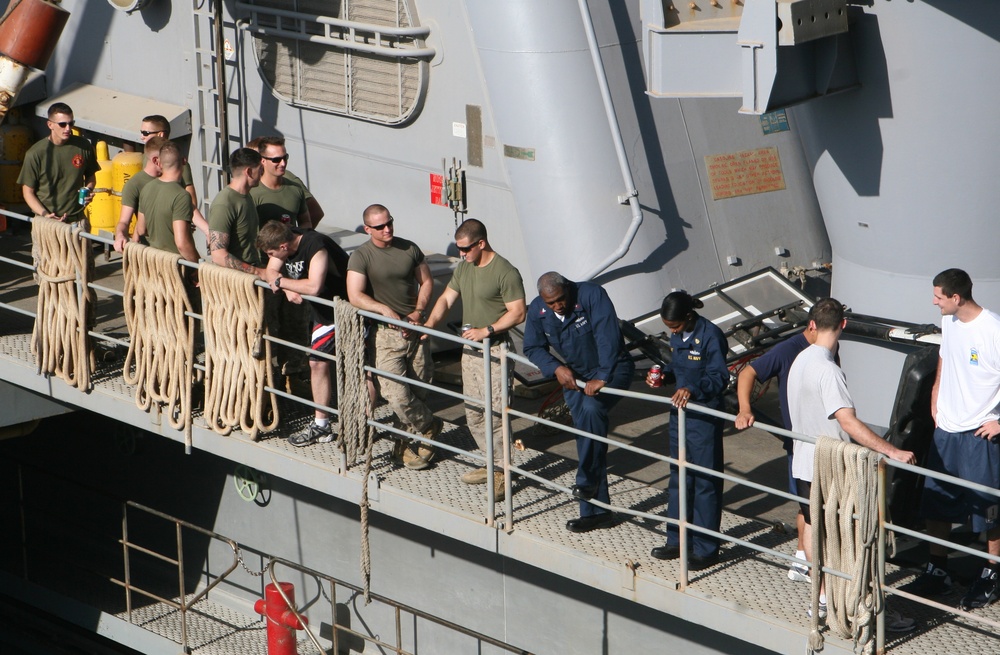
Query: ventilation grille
pixel 354 58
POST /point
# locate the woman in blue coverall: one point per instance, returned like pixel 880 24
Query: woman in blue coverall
pixel 699 365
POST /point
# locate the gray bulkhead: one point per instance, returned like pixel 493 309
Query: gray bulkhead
pixel 904 169
pixel 526 65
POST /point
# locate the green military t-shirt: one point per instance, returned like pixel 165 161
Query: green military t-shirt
pixel 187 178
pixel 163 203
pixel 235 214
pixel 282 204
pixel 133 188
pixel 57 173
pixel 486 290
pixel 292 178
pixel 390 272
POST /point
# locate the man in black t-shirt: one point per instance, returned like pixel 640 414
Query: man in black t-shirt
pixel 306 262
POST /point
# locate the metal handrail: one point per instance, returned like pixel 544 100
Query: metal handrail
pixel 683 467
pixel 184 604
pixel 398 608
pixel 349 29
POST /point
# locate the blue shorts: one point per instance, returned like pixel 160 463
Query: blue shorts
pixel 966 456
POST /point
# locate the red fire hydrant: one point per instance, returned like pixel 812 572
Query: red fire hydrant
pixel 281 621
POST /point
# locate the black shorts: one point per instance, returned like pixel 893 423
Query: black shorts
pixel 803 488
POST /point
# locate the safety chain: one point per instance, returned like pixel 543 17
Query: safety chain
pixel 239 558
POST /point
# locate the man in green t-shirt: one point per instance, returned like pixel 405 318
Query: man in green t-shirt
pixel 165 207
pixel 57 167
pixel 158 126
pixel 316 212
pixel 232 219
pixel 388 275
pixel 133 187
pixel 276 199
pixel 492 294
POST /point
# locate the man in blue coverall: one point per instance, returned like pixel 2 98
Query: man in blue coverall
pixel 578 321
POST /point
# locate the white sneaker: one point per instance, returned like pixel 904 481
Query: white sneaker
pixel 822 611
pixel 798 573
pixel 896 622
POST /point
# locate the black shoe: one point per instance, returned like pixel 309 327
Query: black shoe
pixel 670 551
pixel 584 492
pixel 697 562
pixel 982 592
pixel 588 523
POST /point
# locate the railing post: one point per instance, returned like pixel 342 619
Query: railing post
pixel 505 424
pixel 488 429
pixel 125 559
pixel 682 499
pixel 882 488
pixel 180 580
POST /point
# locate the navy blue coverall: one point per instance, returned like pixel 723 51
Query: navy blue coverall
pixel 699 364
pixel 590 341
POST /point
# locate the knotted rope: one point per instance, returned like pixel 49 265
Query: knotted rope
pixel 162 336
pixel 356 436
pixel 845 483
pixel 64 266
pixel 237 357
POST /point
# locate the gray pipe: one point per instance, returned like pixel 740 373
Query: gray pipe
pixel 616 134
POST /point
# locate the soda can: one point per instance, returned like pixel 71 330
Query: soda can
pixel 81 195
pixel 655 376
pixel 466 327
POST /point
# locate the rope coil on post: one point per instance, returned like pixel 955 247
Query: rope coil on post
pixel 161 348
pixel 64 266
pixel 845 483
pixel 356 436
pixel 237 357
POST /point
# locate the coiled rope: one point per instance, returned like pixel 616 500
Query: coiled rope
pixel 356 436
pixel 237 357
pixel 161 348
pixel 845 483
pixel 64 266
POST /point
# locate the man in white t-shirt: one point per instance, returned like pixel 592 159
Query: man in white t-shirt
pixel 964 403
pixel 819 404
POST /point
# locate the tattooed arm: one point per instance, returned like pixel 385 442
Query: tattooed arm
pixel 218 246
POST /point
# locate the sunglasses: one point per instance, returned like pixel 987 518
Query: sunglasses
pixel 147 133
pixel 466 248
pixel 379 228
pixel 276 160
pixel 65 124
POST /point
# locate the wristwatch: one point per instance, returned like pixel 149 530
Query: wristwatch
pixel 489 328
pixel 277 282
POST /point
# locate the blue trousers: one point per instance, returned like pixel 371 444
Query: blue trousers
pixel 590 413
pixel 704 493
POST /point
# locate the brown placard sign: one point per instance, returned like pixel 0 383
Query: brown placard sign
pixel 744 173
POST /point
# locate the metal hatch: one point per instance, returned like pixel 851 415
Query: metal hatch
pixel 755 312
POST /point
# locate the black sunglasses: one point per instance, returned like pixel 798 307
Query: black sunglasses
pixel 466 248
pixel 146 133
pixel 65 124
pixel 276 160
pixel 379 228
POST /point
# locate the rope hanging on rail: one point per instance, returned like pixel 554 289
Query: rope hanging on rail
pixel 845 483
pixel 64 267
pixel 161 348
pixel 356 436
pixel 237 357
